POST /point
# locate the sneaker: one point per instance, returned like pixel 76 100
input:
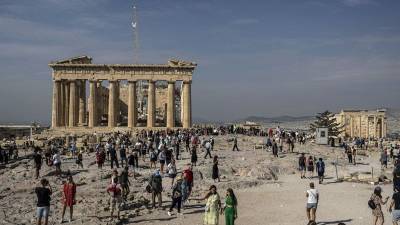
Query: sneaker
pixel 169 213
pixel 62 221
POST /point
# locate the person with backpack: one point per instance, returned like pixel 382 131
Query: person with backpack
pixel 312 195
pixel 188 183
pixel 115 192
pixel 156 188
pixel 375 204
pixel 320 167
pixel 176 195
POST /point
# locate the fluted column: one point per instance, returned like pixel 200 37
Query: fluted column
pixel 375 127
pixel 55 121
pixel 187 104
pixel 171 105
pixel 82 103
pixel 132 104
pixel 92 104
pixel 182 103
pixel 111 104
pixel 62 104
pixel 151 103
pixel 66 100
pixel 72 104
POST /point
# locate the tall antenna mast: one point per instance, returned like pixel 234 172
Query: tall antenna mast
pixel 135 35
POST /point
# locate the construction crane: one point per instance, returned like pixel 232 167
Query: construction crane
pixel 136 53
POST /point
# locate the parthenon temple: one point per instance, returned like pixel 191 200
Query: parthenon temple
pixel 363 123
pixel 132 89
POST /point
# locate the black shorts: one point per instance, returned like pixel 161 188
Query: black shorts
pixel 162 161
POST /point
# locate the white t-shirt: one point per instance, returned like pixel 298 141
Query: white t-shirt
pixel 312 196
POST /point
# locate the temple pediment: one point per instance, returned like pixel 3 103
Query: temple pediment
pixel 75 60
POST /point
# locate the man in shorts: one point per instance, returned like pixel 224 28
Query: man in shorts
pixel 302 166
pixel 312 203
pixel 43 201
pixel 115 192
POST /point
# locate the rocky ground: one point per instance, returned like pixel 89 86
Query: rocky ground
pixel 269 189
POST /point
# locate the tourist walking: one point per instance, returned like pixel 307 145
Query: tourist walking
pixel 161 158
pixel 172 171
pixel 193 158
pixel 310 166
pixel 113 156
pixel 302 166
pixel 156 188
pixel 122 156
pixel 115 191
pixel 176 195
pixel 375 203
pixel 69 200
pixel 235 145
pixel 213 206
pixel 57 163
pixel 275 148
pixel 384 159
pixel 215 170
pixel 38 160
pixel 354 155
pixel 100 158
pixel 208 150
pixel 320 170
pixel 312 203
pixel 230 207
pixel 79 159
pixel 125 183
pixel 43 194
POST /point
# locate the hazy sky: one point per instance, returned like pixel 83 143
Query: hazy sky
pixel 255 57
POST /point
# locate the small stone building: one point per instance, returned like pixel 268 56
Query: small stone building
pixel 363 123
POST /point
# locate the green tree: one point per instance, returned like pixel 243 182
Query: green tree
pixel 326 119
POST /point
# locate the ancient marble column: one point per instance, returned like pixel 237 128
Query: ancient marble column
pixel 82 103
pixel 187 104
pixel 171 105
pixel 66 100
pixel 92 104
pixel 55 121
pixel 132 104
pixel 62 103
pixel 182 103
pixel 111 104
pixel 151 104
pixel 375 127
pixel 72 104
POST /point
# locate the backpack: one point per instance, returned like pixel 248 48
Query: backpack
pixel 371 204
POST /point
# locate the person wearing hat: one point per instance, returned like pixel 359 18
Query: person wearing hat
pixel 378 202
pixel 176 195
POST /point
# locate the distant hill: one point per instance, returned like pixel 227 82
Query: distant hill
pixel 278 119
